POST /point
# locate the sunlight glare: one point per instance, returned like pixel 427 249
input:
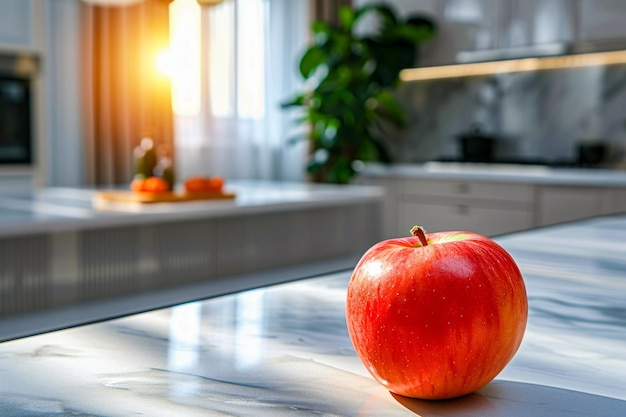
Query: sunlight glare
pixel 185 56
pixel 165 63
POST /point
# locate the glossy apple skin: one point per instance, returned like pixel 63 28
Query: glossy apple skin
pixel 436 321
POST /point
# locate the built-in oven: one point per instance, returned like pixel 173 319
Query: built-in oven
pixel 17 76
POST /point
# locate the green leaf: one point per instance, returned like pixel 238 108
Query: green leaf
pixel 346 17
pixel 391 57
pixel 296 101
pixel 383 155
pixel 416 34
pixel 367 151
pixel 422 22
pixel 390 109
pixel 311 60
pixel 319 26
pixel 341 171
pixel 322 32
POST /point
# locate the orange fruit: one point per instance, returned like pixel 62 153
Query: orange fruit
pixel 215 183
pixel 137 184
pixel 155 185
pixel 195 184
pixel 201 183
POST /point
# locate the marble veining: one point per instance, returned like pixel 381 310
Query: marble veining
pixel 539 114
pixel 283 350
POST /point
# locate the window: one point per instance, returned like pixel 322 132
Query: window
pixel 249 59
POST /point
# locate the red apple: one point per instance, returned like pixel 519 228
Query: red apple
pixel 437 315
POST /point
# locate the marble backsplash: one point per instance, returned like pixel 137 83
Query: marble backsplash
pixel 542 114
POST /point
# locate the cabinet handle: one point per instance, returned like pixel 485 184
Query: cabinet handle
pixel 462 209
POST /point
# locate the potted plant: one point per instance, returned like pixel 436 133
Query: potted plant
pixel 350 77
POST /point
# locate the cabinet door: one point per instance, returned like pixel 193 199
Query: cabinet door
pixel 560 204
pixel 440 217
pixel 463 25
pixel 486 192
pixel 467 25
pixel 601 20
pixel 618 199
pixel 535 22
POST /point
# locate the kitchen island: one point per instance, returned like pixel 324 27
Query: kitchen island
pixel 61 246
pixel 284 350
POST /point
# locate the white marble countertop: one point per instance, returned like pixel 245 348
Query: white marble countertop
pixel 283 350
pixel 59 209
pixel 531 174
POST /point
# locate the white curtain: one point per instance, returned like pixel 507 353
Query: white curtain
pixel 250 56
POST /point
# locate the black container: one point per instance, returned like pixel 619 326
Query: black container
pixel 477 146
pixel 592 154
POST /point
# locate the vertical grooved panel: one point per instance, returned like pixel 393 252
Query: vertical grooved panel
pixel 24 274
pixel 108 262
pixel 185 251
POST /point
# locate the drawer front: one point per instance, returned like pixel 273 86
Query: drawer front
pixel 486 221
pixel 478 190
pixel 620 201
pixel 560 204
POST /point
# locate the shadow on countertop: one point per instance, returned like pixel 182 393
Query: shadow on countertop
pixel 518 399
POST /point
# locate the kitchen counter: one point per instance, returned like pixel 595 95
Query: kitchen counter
pixel 284 350
pixel 60 246
pixel 59 209
pixel 527 174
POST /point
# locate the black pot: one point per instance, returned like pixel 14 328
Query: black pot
pixel 592 154
pixel 477 147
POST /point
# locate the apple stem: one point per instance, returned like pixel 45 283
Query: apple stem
pixel 419 232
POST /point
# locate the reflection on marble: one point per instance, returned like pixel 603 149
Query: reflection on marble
pixel 284 350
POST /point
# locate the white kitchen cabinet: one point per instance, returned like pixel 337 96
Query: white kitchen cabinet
pixel 475 25
pixel 466 25
pixel 461 25
pixel 490 204
pixel 522 23
pixel 467 217
pixel 487 206
pixel 482 207
pixel 556 204
pixel 600 20
pixel 536 22
pixel 620 200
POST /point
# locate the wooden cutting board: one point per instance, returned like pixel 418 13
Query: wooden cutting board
pixel 163 197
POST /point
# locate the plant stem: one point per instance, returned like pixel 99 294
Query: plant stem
pixel 418 231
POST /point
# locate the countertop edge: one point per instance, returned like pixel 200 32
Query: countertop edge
pixel 540 175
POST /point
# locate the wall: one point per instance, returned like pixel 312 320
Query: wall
pixel 536 115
